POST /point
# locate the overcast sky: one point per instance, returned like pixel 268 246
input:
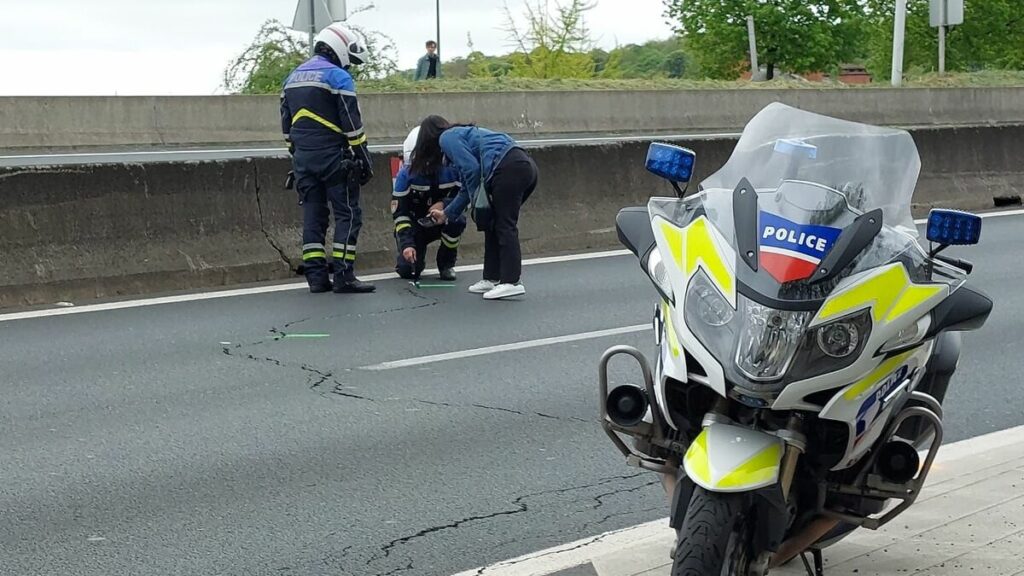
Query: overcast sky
pixel 129 47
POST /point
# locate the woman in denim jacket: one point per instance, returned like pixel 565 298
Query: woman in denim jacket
pixel 494 162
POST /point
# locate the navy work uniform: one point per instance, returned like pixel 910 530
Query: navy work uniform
pixel 321 117
pixel 411 200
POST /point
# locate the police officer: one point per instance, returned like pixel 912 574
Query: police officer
pixel 322 123
pixel 411 202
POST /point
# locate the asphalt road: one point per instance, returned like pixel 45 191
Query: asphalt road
pixel 241 437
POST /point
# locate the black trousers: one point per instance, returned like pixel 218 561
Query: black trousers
pixel 513 182
pixel 450 234
pixel 323 184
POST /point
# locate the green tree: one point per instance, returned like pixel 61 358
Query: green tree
pixel 653 59
pixel 795 35
pixel 992 36
pixel 276 50
pixel 555 43
pixel 262 67
pixel 483 66
pixel 677 63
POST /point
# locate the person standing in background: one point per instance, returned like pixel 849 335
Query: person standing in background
pixel 429 66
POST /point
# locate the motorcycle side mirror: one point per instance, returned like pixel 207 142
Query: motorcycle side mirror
pixel 673 163
pixel 633 226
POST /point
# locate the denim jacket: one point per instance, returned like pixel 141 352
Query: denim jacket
pixel 475 153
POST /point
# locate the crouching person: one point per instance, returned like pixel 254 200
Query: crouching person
pixel 412 200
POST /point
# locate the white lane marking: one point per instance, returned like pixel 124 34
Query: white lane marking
pixel 192 297
pixel 139 303
pixel 228 153
pixel 615 547
pixel 524 345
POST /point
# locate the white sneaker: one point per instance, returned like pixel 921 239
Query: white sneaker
pixel 482 287
pixel 505 291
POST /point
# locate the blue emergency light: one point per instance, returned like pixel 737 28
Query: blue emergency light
pixel 673 163
pixel 953 227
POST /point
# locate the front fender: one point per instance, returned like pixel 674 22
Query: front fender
pixel 727 458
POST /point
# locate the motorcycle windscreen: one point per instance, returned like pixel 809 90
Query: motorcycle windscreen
pixel 780 240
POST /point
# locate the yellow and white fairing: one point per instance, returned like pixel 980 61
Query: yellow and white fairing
pixel 726 458
pixel 877 383
pixel 698 247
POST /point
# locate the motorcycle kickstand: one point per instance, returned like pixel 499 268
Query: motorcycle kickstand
pixel 819 564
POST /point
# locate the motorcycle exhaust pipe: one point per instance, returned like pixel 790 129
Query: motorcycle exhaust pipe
pixel 627 405
pixel 898 462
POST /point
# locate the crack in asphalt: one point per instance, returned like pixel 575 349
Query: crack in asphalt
pixel 325 382
pixel 316 379
pixel 483 570
pixel 599 499
pixel 429 302
pixel 519 506
pixel 280 333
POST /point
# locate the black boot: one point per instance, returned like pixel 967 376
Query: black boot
pixel 353 286
pixel 320 288
pixel 318 282
pixel 446 274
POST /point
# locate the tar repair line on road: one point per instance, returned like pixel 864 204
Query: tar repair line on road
pixel 419 361
pixel 192 297
pixel 580 552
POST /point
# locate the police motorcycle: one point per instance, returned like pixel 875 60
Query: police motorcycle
pixel 805 341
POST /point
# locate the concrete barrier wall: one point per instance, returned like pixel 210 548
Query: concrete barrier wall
pixel 100 231
pixel 42 123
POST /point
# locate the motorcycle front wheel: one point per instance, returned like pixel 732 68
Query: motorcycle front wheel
pixel 715 539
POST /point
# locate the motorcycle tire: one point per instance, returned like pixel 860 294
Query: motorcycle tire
pixel 714 539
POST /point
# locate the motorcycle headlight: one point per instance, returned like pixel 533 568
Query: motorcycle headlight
pixel 838 339
pixel 708 303
pixel 658 273
pixel 831 347
pixel 768 340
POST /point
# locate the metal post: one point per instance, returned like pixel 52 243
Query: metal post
pixel 942 37
pixel 438 37
pixel 899 29
pixel 312 26
pixel 755 69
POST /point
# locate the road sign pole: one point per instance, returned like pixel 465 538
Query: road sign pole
pixel 312 27
pixel 755 69
pixel 899 29
pixel 942 37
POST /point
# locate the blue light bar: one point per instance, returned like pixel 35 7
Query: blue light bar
pixel 953 227
pixel 673 163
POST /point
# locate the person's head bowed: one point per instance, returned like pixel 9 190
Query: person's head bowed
pixel 427 156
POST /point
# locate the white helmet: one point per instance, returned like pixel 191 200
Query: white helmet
pixel 410 144
pixel 348 44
